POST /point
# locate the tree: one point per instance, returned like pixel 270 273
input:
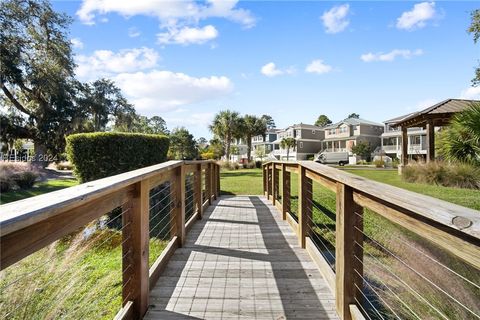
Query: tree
pixel 37 73
pixel 475 30
pixel 353 116
pixel 269 121
pixel 226 125
pixel 217 148
pixel 460 141
pixel 288 143
pixel 323 121
pixel 202 143
pixel 260 152
pixel 252 126
pixel 182 145
pixel 158 125
pixel 363 149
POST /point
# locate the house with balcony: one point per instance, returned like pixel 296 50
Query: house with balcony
pixel 309 141
pixel 391 140
pixel 343 135
pixel 238 150
pixel 262 145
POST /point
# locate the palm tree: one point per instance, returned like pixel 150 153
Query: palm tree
pixel 252 126
pixel 226 125
pixel 460 141
pixel 288 143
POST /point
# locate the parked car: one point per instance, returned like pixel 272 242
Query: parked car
pixel 340 158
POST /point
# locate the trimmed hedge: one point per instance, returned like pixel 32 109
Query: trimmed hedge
pixel 102 154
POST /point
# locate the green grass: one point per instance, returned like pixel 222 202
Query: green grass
pixel 241 182
pixel 39 188
pixel 465 197
pixel 76 277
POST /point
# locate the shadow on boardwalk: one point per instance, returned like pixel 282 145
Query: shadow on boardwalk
pixel 241 262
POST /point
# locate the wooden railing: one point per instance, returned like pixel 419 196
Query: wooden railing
pixel 415 222
pixel 29 225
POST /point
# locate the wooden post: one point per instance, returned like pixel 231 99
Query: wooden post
pixel 264 180
pixel 208 184
pixel 274 191
pixel 344 251
pixel 358 252
pixel 139 219
pixel 286 191
pixel 198 190
pixel 180 205
pixel 218 179
pixel 304 204
pixel 404 146
pixel 214 181
pixel 276 183
pixel 430 141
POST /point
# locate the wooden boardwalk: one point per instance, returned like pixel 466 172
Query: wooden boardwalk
pixel 241 261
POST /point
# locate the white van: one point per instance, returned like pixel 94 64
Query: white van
pixel 340 158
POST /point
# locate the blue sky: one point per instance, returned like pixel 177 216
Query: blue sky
pixel 295 60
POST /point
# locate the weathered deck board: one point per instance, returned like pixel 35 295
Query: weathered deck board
pixel 241 262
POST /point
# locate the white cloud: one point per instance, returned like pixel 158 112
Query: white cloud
pixel 417 17
pixel 77 43
pixel 472 93
pixel 335 20
pixel 187 35
pixel 104 63
pixel 133 32
pixel 202 119
pixel 319 67
pixel 170 13
pixel 390 56
pixel 271 70
pixel 159 90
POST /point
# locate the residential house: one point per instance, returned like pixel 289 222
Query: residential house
pixel 238 150
pixel 343 135
pixel 391 140
pixel 263 145
pixel 309 142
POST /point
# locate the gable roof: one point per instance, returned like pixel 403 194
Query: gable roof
pixel 442 111
pixel 353 121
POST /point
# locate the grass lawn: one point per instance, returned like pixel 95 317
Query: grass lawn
pixel 39 188
pixel 241 181
pixel 465 197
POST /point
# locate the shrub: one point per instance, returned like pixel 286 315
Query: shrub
pixel 258 164
pixel 25 180
pixel 17 174
pixel 103 154
pixel 379 163
pixel 444 174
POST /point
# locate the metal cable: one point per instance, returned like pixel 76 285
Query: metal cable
pixel 420 275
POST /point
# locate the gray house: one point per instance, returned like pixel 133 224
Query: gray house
pixel 309 142
pixel 343 135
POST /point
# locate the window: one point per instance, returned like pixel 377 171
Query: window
pixel 301 145
pixel 313 131
pixel 355 127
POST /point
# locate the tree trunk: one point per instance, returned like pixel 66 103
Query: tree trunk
pixel 249 148
pixel 40 154
pixel 288 153
pixel 227 149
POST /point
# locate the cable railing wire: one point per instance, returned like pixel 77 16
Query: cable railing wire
pixel 66 271
pixel 415 293
pixel 420 275
pixel 389 289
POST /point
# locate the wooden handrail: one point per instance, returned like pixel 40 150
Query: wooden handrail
pixel 452 227
pixel 29 225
